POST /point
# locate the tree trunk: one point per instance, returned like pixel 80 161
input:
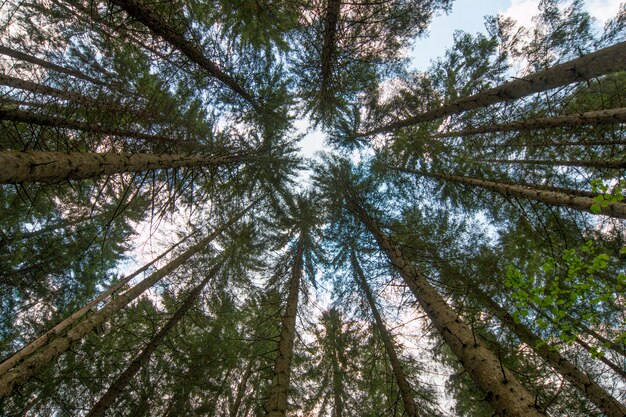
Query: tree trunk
pixel 49 65
pixel 503 391
pixel 71 96
pixel 23 371
pixel 410 407
pixel 27 350
pixel 51 167
pixel 23 116
pixel 120 383
pixel 140 12
pixel 276 405
pixel 592 118
pixel 585 164
pixel 241 390
pixel 331 20
pixel 596 64
pixel 556 198
pixel 594 393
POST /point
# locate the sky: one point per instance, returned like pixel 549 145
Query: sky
pixel 466 15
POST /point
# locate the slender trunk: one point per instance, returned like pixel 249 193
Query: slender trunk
pixel 51 167
pixel 594 393
pixel 596 64
pixel 589 118
pixel 403 384
pixel 138 10
pixel 23 116
pixel 276 405
pixel 71 96
pixel 49 65
pixel 327 60
pixel 555 144
pixel 556 198
pixel 39 360
pixel 120 383
pixel 27 350
pixel 241 390
pixel 503 391
pixel 586 164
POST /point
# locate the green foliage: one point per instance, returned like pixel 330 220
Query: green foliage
pixel 608 196
pixel 572 288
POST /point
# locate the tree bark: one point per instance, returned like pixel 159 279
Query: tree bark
pixel 594 393
pixel 331 20
pixel 241 390
pixel 23 116
pixel 33 346
pixel 51 167
pixel 140 12
pixel 410 407
pixel 40 359
pixel 276 405
pixel 583 164
pixel 120 383
pixel 556 198
pixel 71 96
pixel 49 65
pixel 596 64
pixel 503 391
pixel 592 118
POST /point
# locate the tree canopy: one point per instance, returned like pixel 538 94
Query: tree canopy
pixel 457 249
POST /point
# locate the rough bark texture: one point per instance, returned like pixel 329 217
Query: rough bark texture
pixel 70 96
pixel 602 62
pixel 584 164
pixel 49 65
pixel 592 118
pixel 327 60
pixel 233 410
pixel 410 407
pixel 556 198
pixel 120 383
pixel 42 358
pixel 594 393
pixel 29 349
pixel 503 391
pixel 276 405
pixel 140 12
pixel 41 166
pixel 23 116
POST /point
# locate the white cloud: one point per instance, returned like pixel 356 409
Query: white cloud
pixel 524 10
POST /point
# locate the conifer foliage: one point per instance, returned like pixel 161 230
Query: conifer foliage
pixel 166 251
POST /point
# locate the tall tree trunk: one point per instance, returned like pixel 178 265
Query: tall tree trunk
pixel 120 383
pixel 23 116
pixel 138 10
pixel 503 391
pixel 50 66
pixel 25 370
pixel 602 62
pixel 556 198
pixel 594 393
pixel 276 405
pixel 27 350
pixel 589 118
pixel 555 144
pixel 403 384
pixel 585 164
pixel 71 96
pixel 241 390
pixel 327 61
pixel 42 166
